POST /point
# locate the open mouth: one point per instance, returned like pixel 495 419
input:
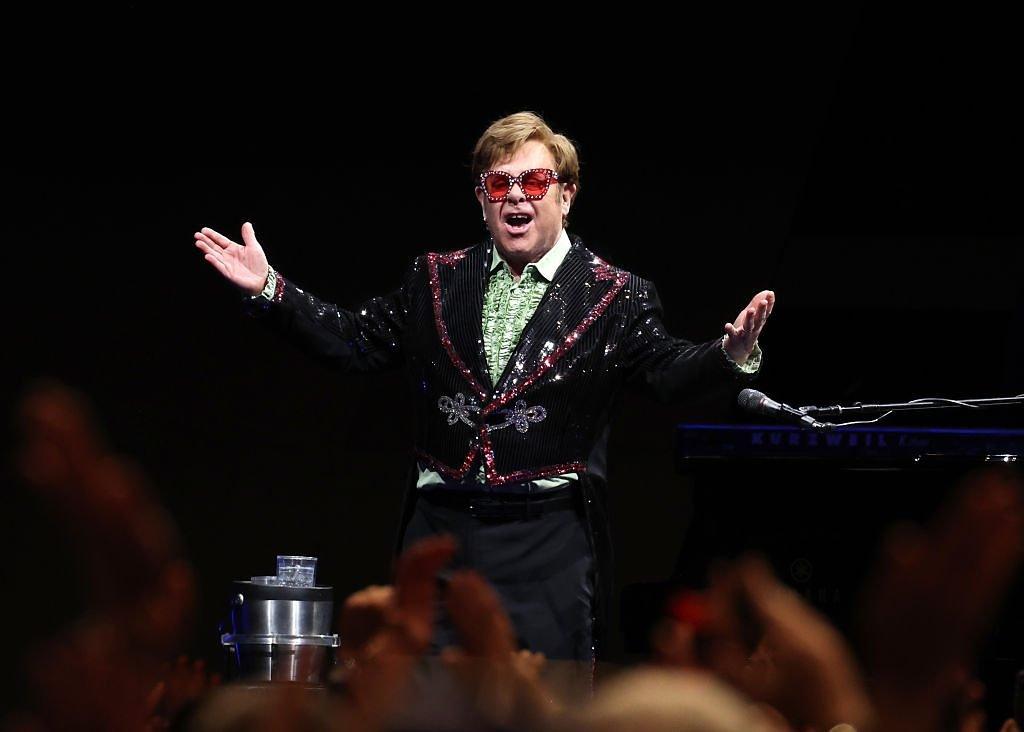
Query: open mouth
pixel 518 223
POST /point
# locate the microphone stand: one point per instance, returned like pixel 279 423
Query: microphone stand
pixel 914 405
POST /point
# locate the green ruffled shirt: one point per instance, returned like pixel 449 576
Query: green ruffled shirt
pixel 509 302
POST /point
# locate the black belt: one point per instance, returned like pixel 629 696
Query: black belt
pixel 502 505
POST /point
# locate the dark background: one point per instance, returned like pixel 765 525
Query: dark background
pixel 861 162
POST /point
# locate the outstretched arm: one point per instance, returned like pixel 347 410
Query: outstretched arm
pixel 671 368
pixel 367 338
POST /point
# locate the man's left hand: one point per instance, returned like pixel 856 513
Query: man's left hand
pixel 741 335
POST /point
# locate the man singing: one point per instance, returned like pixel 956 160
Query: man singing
pixel 514 349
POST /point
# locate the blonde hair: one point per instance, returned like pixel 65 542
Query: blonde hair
pixel 504 138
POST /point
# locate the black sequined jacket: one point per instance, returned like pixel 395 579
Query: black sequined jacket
pixel 596 329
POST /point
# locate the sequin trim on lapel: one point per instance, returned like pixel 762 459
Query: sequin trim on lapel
pixel 449 259
pixel 603 272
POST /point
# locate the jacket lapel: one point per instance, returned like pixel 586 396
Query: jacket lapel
pixel 457 281
pixel 583 287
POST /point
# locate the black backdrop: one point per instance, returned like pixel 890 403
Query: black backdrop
pixel 864 164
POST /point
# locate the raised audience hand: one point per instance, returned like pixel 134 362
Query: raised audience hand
pixel 801 666
pixel 503 680
pixel 933 596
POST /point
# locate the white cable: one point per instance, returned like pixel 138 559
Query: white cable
pixel 942 399
pixel 864 421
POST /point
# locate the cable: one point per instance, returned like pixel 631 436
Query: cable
pixel 943 399
pixel 864 421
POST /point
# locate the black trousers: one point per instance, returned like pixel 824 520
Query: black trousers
pixel 541 566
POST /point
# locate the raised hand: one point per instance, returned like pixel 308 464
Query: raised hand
pixel 244 266
pixel 504 682
pixel 933 597
pixel 391 627
pixel 741 335
pixel 364 615
pixel 802 667
pixel 475 608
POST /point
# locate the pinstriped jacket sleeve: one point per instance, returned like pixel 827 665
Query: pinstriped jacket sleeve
pixel 670 368
pixel 363 339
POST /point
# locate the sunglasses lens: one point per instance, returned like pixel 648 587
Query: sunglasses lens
pixel 535 183
pixel 496 185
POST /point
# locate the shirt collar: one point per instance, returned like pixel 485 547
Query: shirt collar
pixel 546 265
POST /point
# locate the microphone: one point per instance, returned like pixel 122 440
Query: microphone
pixel 752 400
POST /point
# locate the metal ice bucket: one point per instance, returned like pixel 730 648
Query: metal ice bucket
pixel 281 633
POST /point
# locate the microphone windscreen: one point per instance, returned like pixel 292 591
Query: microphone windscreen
pixel 750 400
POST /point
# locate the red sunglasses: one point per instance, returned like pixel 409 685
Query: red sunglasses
pixel 534 183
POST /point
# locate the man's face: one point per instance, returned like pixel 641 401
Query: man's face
pixel 525 229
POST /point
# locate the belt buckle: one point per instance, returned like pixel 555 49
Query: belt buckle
pixel 480 510
pixel 496 510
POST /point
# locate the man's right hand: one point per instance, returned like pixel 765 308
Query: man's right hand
pixel 244 266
